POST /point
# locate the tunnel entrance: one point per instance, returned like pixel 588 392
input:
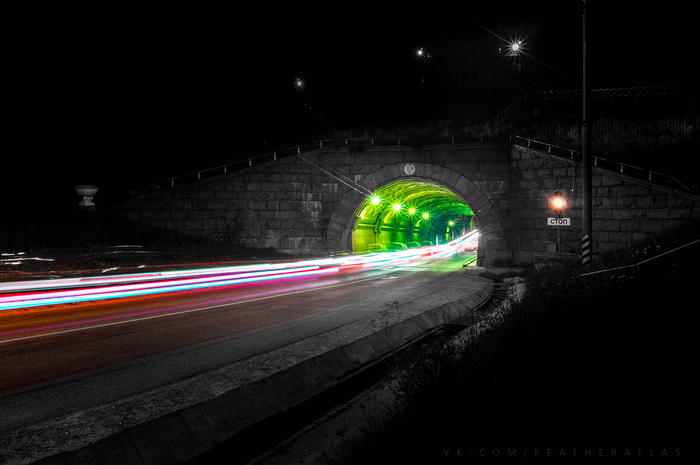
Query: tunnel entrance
pixel 409 213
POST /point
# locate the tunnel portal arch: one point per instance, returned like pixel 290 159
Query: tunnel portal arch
pixel 440 191
pixel 409 212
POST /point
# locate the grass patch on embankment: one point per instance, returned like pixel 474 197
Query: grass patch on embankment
pixel 589 363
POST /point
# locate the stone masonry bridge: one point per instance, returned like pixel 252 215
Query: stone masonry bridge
pixel 363 197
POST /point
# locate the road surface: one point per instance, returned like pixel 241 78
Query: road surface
pixel 60 359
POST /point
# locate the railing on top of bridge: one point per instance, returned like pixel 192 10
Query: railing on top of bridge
pixel 225 168
pixel 622 168
pixel 675 108
pixel 303 148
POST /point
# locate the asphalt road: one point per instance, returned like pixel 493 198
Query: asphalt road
pixel 56 360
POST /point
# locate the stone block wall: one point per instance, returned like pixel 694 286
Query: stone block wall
pixel 303 203
pixel 626 210
pixel 306 203
pixel 280 205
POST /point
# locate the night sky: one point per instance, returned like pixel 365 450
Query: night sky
pixel 125 96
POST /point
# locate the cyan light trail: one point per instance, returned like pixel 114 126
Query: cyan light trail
pixel 178 280
pixel 117 279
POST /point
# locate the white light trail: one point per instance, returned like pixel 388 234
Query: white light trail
pixel 51 292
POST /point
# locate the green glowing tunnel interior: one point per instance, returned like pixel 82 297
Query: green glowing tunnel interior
pixel 409 213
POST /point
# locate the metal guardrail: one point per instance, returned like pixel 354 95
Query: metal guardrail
pixel 225 168
pixel 473 134
pixel 296 150
pixel 496 122
pixel 622 168
pixel 638 265
pixel 617 92
pixel 678 104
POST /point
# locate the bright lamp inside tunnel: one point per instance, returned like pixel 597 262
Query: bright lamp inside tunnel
pixel 411 213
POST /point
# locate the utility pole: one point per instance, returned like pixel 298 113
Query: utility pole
pixel 587 232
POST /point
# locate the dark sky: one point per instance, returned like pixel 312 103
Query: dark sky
pixel 123 96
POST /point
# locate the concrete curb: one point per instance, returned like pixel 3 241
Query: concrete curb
pixel 323 444
pixel 184 434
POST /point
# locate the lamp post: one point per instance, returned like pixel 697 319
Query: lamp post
pixel 515 52
pixel 587 174
pixel 422 55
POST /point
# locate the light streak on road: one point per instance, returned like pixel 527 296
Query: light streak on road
pixel 464 242
pixel 132 290
pixel 116 279
pixel 48 292
pixel 111 320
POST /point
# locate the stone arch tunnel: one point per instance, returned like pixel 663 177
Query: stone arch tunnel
pixel 411 212
pixel 431 205
pixel 321 201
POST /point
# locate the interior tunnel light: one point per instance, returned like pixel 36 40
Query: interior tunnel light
pixel 408 210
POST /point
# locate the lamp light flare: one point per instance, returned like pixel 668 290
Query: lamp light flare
pixel 559 202
pixel 422 53
pixel 512 48
pixel 299 83
pixel 396 207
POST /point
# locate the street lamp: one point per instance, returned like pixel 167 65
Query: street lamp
pixel 515 53
pixel 558 202
pixel 513 49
